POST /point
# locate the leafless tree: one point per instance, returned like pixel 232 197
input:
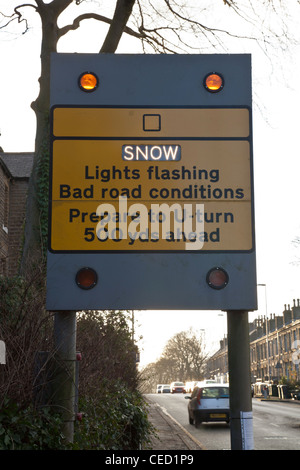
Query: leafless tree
pixel 186 350
pixel 183 359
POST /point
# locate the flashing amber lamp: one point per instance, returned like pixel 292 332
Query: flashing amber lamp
pixel 88 81
pixel 214 82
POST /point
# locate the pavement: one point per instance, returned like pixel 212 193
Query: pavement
pixel 281 400
pixel 170 435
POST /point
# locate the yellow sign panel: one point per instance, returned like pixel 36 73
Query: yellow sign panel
pixel 145 194
pixel 76 226
pixel 154 122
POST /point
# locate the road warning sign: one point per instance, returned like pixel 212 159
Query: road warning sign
pixel 162 179
pixel 151 201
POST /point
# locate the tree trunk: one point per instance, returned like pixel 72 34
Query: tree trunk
pixel 122 13
pixel 35 236
pixel 34 249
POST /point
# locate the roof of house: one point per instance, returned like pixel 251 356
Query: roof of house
pixel 19 165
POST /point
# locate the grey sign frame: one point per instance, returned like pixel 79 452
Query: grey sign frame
pixel 152 280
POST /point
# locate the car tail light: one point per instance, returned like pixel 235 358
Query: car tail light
pixel 199 395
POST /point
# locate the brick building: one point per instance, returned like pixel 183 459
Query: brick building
pixel 15 170
pixel 274 348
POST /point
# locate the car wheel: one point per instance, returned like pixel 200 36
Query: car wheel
pixel 191 421
pixel 197 423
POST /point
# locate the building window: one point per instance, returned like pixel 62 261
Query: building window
pixel 294 335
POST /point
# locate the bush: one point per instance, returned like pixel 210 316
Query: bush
pixel 115 413
pixel 115 420
pixel 29 429
pixel 25 327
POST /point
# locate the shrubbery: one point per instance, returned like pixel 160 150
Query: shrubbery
pixel 116 419
pixel 24 428
pixel 115 414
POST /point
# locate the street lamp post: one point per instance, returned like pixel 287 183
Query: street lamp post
pixel 267 330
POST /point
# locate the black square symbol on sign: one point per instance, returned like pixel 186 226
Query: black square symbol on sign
pixel 151 122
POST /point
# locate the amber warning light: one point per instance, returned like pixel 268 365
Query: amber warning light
pixel 217 278
pixel 214 82
pixel 88 81
pixel 86 278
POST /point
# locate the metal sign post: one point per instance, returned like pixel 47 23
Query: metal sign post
pixel 241 417
pixel 65 367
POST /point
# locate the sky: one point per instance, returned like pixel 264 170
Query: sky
pixel 276 97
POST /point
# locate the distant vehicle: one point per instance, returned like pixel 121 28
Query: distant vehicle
pixel 160 388
pixel 189 386
pixel 209 402
pixel 206 381
pixel 166 389
pixel 177 387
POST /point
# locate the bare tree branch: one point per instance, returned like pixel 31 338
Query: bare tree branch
pixel 121 15
pixel 17 15
pixel 94 16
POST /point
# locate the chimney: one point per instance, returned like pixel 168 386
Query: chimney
pixel 287 314
pixel 296 310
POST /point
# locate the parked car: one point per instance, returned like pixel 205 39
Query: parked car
pixel 209 402
pixel 162 388
pixel 177 387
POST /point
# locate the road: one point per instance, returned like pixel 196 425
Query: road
pixel 276 425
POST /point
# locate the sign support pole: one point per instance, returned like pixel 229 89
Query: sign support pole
pixel 241 422
pixel 65 364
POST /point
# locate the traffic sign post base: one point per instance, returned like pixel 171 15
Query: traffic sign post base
pixel 65 367
pixel 241 419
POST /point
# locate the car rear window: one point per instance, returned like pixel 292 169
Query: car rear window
pixel 215 392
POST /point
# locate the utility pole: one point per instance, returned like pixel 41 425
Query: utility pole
pixel 64 369
pixel 267 332
pixel 241 423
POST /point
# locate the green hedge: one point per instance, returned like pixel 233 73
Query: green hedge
pixel 116 420
pixel 28 429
